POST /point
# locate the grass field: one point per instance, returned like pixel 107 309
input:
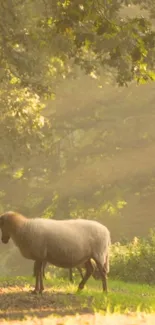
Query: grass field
pixel 61 304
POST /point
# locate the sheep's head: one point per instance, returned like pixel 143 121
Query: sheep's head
pixel 4 228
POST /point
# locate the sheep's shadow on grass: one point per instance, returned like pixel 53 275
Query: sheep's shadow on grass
pixel 22 304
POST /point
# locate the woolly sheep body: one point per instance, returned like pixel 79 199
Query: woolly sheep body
pixel 79 268
pixel 63 243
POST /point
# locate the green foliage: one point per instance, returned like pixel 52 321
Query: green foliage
pixel 112 209
pixel 134 261
pixel 42 42
pixel 21 124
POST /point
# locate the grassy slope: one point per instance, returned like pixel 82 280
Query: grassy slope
pixel 60 299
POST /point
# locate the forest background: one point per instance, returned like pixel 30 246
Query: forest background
pixel 77 135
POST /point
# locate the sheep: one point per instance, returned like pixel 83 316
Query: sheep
pixel 43 269
pixel 95 272
pixel 63 243
pixel 79 268
pixel 70 271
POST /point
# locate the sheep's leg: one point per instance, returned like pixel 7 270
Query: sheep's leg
pixel 96 274
pixel 103 273
pixel 41 275
pixel 34 269
pixel 80 271
pixel 38 274
pixel 43 269
pixel 70 275
pixel 89 271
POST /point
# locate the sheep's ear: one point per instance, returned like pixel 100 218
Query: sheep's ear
pixel 1 220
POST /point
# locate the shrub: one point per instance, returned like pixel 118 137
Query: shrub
pixel 134 261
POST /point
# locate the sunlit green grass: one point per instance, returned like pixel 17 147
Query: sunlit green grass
pixel 122 297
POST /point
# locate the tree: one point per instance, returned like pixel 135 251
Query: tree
pixel 42 43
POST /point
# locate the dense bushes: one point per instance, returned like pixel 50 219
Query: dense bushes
pixel 134 261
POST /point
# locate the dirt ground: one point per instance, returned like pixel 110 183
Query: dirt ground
pixel 18 306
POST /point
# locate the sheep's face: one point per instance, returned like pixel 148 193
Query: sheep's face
pixel 4 230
